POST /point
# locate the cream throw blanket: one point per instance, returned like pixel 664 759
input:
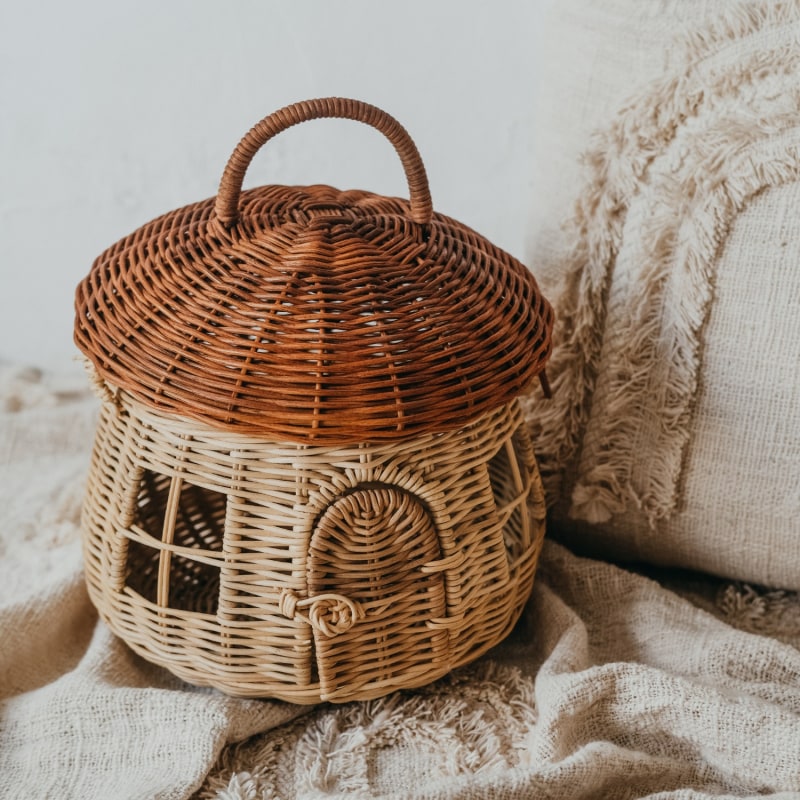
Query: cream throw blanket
pixel 614 685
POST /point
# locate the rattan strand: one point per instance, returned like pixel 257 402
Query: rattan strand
pixel 310 314
pixel 309 573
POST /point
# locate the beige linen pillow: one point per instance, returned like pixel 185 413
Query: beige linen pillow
pixel 674 432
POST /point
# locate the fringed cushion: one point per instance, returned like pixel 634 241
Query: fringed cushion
pixel 677 367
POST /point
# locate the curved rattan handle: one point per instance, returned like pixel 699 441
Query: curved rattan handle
pixel 230 187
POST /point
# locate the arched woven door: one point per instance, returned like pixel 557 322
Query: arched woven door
pixel 379 612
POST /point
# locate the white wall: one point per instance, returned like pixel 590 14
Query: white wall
pixel 114 112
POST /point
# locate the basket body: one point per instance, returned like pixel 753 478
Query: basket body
pixel 309 573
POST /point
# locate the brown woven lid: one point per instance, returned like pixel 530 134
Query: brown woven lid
pixel 311 314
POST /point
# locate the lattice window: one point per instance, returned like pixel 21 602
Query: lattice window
pixel 175 547
pixel 510 472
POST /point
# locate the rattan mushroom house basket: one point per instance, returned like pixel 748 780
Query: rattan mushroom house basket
pixel 311 478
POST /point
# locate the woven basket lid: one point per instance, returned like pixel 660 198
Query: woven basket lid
pixel 311 314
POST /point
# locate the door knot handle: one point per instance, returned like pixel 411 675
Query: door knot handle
pixel 328 614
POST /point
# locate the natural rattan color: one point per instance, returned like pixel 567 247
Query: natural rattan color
pixel 311 478
pixel 310 573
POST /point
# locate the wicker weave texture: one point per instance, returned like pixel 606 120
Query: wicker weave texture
pixel 311 478
pixel 311 314
pixel 309 573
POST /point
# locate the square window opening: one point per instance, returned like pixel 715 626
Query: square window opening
pixel 182 515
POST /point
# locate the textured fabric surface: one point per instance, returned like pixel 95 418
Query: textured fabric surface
pixel 614 685
pixel 675 432
pixel 591 57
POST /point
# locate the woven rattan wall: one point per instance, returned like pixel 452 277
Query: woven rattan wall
pixel 310 573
